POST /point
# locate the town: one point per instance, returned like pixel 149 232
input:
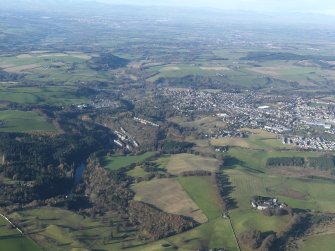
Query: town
pixel 284 115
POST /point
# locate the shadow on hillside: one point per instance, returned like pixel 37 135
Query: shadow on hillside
pixel 231 163
pixel 12 236
pixel 225 189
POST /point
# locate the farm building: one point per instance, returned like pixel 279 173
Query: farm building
pixel 263 203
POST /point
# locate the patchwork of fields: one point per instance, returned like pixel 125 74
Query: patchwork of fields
pixel 190 196
pixel 43 66
pixel 245 165
pixel 265 74
pixel 169 196
pixel 45 78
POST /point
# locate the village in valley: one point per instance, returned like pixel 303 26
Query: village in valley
pixel 301 121
pixel 157 128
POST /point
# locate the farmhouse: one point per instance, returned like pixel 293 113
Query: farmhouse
pixel 263 203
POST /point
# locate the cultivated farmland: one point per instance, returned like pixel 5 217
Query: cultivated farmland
pixel 187 162
pixel 169 196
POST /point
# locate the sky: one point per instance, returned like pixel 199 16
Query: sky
pixel 305 6
pixel 288 6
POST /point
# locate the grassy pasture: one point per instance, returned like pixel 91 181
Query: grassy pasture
pixel 21 121
pixel 163 161
pixel 17 96
pixel 288 71
pixel 59 229
pixel 252 219
pixel 67 67
pixel 259 140
pixel 319 194
pixel 188 162
pixel 117 162
pixel 297 193
pixel 246 186
pixel 306 73
pixel 255 160
pixel 248 177
pixel 214 234
pixel 42 95
pixel 323 241
pixel 27 62
pixel 247 170
pixel 137 172
pixel 169 196
pixel 237 72
pixel 181 70
pixel 204 194
pixel 12 240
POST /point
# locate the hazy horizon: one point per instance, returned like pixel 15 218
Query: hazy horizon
pixel 286 6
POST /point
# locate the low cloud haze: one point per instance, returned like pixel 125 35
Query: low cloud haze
pixel 317 6
pixel 288 6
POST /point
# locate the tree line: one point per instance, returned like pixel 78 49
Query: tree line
pixel 324 163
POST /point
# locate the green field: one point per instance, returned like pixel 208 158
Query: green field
pixel 246 169
pixel 137 172
pixel 184 162
pixel 258 140
pixel 255 160
pixel 58 229
pixel 216 233
pixel 324 242
pixel 116 162
pixel 203 193
pixel 181 70
pixel 43 67
pixel 246 75
pixel 20 121
pixel 56 95
pixel 12 240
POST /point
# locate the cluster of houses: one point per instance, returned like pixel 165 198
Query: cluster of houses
pixel 309 143
pixel 276 113
pixel 263 203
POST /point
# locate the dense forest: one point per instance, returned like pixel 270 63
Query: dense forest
pixel 107 61
pixel 43 166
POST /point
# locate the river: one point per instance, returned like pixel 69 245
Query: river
pixel 79 174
